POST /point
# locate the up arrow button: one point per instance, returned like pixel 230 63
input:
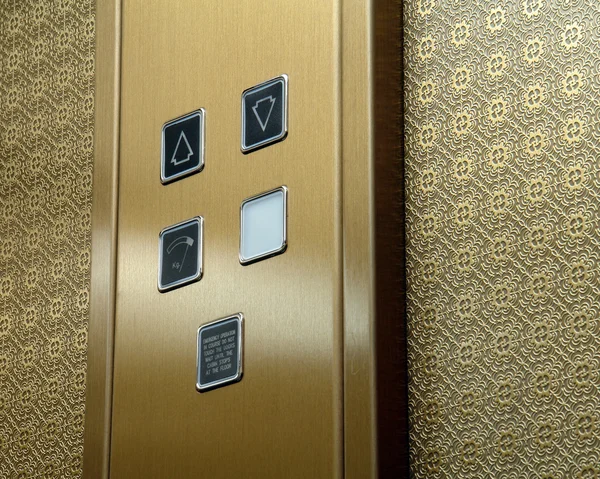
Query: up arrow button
pixel 182 150
pixel 264 114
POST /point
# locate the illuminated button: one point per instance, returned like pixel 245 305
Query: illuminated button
pixel 263 229
pixel 180 254
pixel 264 114
pixel 219 352
pixel 182 149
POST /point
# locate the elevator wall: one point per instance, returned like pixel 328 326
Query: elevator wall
pixel 46 155
pixel 503 174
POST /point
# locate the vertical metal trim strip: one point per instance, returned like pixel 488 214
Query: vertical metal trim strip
pixel 360 440
pixel 96 454
pixel 338 381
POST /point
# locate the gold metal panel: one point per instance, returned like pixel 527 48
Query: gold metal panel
pixel 503 248
pixel 284 419
pixel 46 162
pixel 360 453
pixel 104 242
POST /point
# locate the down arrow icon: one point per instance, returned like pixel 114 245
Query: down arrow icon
pixel 263 124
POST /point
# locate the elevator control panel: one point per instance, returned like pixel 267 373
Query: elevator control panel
pixel 263 220
pixel 180 254
pixel 219 352
pixel 263 217
pixel 264 114
pixel 182 146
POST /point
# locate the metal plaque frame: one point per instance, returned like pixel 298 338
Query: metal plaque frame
pixel 284 244
pixel 199 264
pixel 239 317
pixel 274 139
pixel 201 113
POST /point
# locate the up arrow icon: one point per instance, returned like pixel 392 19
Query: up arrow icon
pixel 182 151
pixel 266 107
pixel 182 146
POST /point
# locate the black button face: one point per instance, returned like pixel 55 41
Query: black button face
pixel 264 114
pixel 219 360
pixel 180 258
pixel 182 147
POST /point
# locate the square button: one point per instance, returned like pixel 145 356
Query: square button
pixel 180 254
pixel 219 352
pixel 263 229
pixel 182 149
pixel 264 114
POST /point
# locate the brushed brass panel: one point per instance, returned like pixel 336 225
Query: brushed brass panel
pixel 104 242
pixel 284 419
pixel 375 384
pixel 360 454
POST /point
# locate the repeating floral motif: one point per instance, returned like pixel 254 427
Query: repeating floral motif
pixel 46 156
pixel 503 204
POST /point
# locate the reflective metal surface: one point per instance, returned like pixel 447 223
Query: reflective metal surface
pixel 286 414
pixel 98 401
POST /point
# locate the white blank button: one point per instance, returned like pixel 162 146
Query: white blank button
pixel 263 226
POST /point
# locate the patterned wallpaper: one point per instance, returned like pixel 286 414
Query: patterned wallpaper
pixel 503 202
pixel 46 143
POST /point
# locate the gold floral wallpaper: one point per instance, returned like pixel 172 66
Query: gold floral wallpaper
pixel 503 202
pixel 46 153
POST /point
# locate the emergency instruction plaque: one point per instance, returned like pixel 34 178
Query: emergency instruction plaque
pixel 219 356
